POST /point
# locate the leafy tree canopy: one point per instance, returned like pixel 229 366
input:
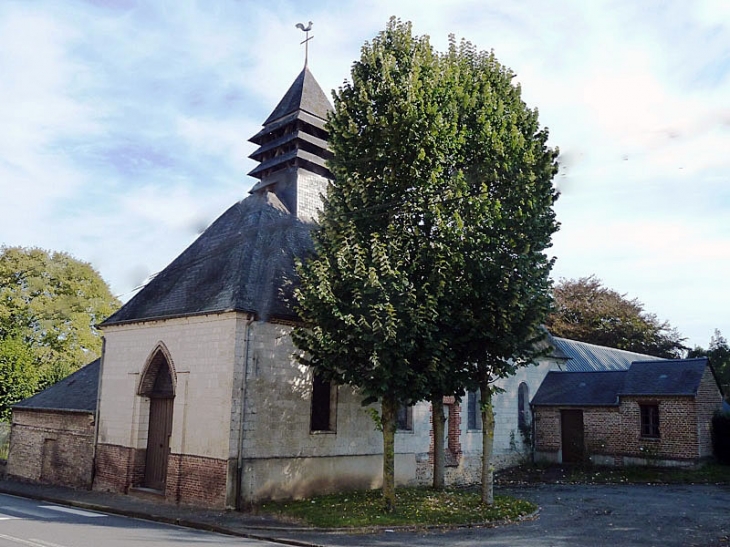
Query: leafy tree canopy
pixel 719 354
pixel 49 304
pixel 587 311
pixel 429 274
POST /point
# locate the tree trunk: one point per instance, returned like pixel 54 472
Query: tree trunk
pixel 439 454
pixel 487 412
pixel 389 413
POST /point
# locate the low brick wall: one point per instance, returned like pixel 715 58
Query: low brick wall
pixel 191 480
pixel 195 480
pixel 52 447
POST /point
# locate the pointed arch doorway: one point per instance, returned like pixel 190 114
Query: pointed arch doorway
pixel 158 384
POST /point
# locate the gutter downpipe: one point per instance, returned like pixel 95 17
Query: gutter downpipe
pixel 97 412
pixel 243 393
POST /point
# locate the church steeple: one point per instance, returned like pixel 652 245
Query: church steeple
pixel 293 148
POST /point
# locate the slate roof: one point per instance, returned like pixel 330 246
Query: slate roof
pixel 77 392
pixel 674 377
pixel 597 388
pixel 244 261
pixel 590 357
pixel 304 94
pixel 667 377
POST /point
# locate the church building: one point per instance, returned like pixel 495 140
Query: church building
pixel 201 400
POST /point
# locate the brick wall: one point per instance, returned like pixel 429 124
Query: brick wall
pixel 677 429
pixel 52 447
pixel 613 434
pixel 547 433
pixel 114 468
pixel 191 480
pixel 195 480
pixel 709 400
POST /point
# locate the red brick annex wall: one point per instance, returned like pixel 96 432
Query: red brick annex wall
pixel 191 480
pixel 54 447
pixel 613 434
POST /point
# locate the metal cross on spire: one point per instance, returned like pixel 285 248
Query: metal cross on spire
pixel 306 40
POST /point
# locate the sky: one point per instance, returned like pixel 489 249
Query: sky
pixel 124 125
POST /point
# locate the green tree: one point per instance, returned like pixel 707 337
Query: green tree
pixel 503 222
pixel 587 311
pixel 18 374
pixel 429 274
pixel 49 304
pixel 369 297
pixel 718 353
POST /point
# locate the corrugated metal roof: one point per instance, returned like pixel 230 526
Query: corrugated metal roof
pixel 584 357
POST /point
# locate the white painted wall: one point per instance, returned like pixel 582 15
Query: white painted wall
pixel 203 350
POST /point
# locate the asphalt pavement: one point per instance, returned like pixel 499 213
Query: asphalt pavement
pixel 569 515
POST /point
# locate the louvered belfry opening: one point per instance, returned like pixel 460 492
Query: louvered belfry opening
pixel 293 150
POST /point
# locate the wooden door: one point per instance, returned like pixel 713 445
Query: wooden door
pixel 158 443
pixel 571 435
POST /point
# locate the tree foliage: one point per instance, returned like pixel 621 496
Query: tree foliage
pixel 500 290
pixel 49 304
pixel 19 374
pixel 587 311
pixel 718 353
pixel 429 275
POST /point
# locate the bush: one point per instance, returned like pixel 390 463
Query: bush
pixel 721 437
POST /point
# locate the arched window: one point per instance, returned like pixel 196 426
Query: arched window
pixel 523 406
pixel 158 378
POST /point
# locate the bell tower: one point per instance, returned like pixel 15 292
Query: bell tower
pixel 293 149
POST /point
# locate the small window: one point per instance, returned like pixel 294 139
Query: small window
pixel 473 416
pixel 523 406
pixel 649 421
pixel 323 405
pixel 404 419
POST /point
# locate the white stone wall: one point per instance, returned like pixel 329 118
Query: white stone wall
pixel 283 457
pixel 310 189
pixel 508 446
pixel 226 365
pixel 202 350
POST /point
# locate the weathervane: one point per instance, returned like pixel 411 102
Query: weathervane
pixel 306 40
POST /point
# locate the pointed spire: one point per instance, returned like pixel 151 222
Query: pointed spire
pixel 304 94
pixel 294 134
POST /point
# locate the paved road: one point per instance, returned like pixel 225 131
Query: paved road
pixel 587 516
pixel 571 515
pixel 30 523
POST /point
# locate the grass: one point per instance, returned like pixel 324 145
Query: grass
pixel 415 507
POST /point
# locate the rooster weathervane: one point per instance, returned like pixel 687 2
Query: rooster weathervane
pixel 306 29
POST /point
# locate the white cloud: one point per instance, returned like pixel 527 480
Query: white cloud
pixel 125 124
